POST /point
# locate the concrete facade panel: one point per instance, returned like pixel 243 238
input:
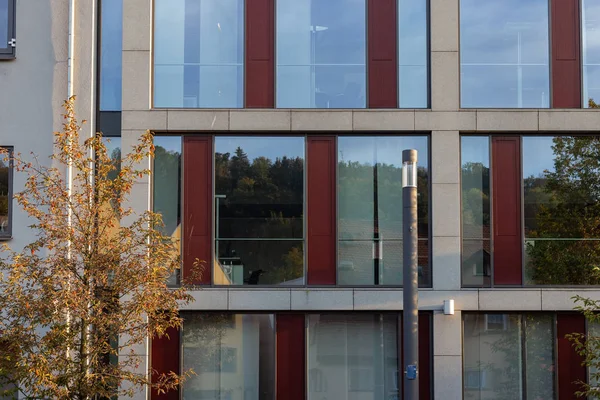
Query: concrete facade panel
pixel 562 299
pixel 321 120
pixel 323 299
pixel 137 30
pixel 136 80
pixel 445 120
pixel 259 300
pixel 377 299
pixel 250 120
pixel 569 120
pixel 448 381
pixel 445 209
pixel 208 299
pixel 197 120
pixel 139 120
pixel 446 268
pixel 445 165
pixel 374 120
pixel 450 342
pixel 444 25
pixel 510 300
pixel 445 78
pixel 519 121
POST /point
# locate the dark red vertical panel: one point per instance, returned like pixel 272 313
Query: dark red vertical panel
pixel 166 356
pixel 425 356
pixel 566 54
pixel 568 361
pixel 506 191
pixel 321 206
pixel 197 203
pixel 291 358
pixel 382 54
pixel 260 54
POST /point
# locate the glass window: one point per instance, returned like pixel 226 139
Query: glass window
pixel 198 53
pixel 370 209
pixel 6 193
pixel 111 45
pixel 513 359
pixel 561 178
pixel 476 212
pixel 166 193
pixel 233 356
pixel 591 50
pixel 504 53
pixel 413 54
pixel 7 32
pixel 352 357
pixel 259 205
pixel 321 53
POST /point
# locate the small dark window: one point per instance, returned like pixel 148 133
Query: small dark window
pixel 6 181
pixel 7 29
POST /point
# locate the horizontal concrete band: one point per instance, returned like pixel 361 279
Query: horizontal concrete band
pixel 240 299
pixel 527 121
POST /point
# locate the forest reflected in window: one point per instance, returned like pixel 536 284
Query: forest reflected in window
pixel 259 210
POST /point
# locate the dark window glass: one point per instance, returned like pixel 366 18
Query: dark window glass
pixel 413 53
pixel 352 356
pixel 591 50
pixel 259 205
pixel 561 178
pixel 321 54
pixel 229 361
pixel 476 212
pixel 199 53
pixel 509 356
pixel 6 193
pixel 370 209
pixel 504 53
pixel 166 193
pixel 111 44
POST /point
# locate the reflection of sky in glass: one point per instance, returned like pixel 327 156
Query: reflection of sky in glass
pixel 169 143
pixel 537 156
pixel 269 147
pixel 591 50
pixel 112 144
pixel 110 56
pixel 475 149
pixel 199 51
pixel 388 149
pixel 412 53
pixel 504 53
pixel 321 53
pixel 3 23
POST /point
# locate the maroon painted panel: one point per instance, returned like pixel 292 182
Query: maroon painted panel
pixel 197 203
pixel 382 54
pixel 260 54
pixel 425 356
pixel 506 191
pixel 321 210
pixel 569 362
pixel 566 54
pixel 165 358
pixel 291 359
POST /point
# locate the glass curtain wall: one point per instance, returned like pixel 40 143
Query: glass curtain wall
pixel 413 57
pixel 167 189
pixel 199 53
pixel 232 355
pixel 504 54
pixel 591 50
pixel 561 178
pixel 353 357
pixel 111 45
pixel 370 209
pixel 509 356
pixel 321 53
pixel 476 210
pixel 259 210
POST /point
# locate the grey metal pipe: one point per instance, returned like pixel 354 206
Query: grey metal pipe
pixel 410 285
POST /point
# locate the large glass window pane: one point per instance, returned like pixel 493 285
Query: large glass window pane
pixel 591 50
pixel 352 357
pixel 476 215
pixel 370 209
pixel 5 193
pixel 111 45
pixel 3 23
pixel 198 53
pixel 561 177
pixel 504 351
pixel 166 189
pixel 233 356
pixel 321 54
pixel 259 206
pixel 504 53
pixel 412 54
